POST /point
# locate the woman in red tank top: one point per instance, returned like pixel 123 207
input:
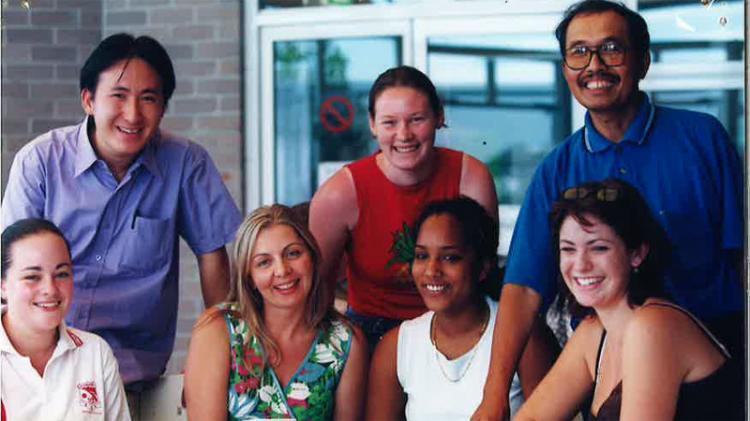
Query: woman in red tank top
pixel 367 209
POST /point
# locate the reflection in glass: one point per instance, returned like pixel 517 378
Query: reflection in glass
pixel 320 112
pixel 687 31
pixel 507 106
pixel 689 34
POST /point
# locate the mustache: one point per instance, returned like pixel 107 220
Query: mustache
pixel 600 74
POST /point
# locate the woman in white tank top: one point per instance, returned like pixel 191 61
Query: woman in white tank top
pixel 435 366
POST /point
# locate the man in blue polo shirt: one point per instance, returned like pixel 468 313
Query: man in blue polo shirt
pixel 123 192
pixel 681 161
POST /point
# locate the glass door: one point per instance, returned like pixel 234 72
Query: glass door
pixel 509 105
pixel 697 60
pixel 315 81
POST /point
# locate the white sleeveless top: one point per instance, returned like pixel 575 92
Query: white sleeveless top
pixel 430 395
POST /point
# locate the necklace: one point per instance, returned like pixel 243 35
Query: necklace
pixel 473 352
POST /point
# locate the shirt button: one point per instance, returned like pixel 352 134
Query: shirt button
pixel 623 171
pixel 98 257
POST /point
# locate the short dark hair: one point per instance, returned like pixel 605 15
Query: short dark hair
pixel 124 46
pixel 630 218
pixel 640 41
pixel 21 229
pixel 409 77
pixel 479 231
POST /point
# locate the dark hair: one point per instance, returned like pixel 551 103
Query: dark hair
pixel 124 46
pixel 405 76
pixel 21 229
pixel 479 232
pixel 640 41
pixel 630 218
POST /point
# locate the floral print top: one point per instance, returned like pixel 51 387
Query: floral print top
pixel 256 392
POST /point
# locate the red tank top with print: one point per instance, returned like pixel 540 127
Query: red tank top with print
pixel 379 280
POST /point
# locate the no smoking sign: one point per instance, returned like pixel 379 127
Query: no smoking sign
pixel 337 114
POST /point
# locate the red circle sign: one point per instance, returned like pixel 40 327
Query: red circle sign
pixel 337 114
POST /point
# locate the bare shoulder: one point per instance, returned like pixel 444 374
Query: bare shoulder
pixel 336 197
pixel 651 321
pixel 339 186
pixel 473 169
pixel 657 329
pixel 477 182
pixel 211 324
pixel 586 337
pixel 589 328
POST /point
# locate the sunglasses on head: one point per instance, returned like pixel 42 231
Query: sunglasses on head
pixel 603 194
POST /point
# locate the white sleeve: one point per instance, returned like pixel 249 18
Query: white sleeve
pixel 115 400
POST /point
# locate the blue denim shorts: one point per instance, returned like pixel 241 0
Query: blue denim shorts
pixel 372 326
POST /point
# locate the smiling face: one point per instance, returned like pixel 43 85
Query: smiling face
pixel 599 88
pixel 595 262
pixel 404 125
pixel 38 285
pixel 127 109
pixel 281 267
pixel 445 270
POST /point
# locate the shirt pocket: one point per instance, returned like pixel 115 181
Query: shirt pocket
pixel 147 244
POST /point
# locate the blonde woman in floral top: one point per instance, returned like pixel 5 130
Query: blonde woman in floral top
pixel 288 354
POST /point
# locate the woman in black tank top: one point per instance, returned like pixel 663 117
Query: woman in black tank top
pixel 635 354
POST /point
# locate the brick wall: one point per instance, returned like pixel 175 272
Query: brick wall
pixel 42 51
pixel 44 48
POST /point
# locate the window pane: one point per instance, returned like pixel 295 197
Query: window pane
pixel 507 106
pixel 280 4
pixel 683 31
pixel 320 94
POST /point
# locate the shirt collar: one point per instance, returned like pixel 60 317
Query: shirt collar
pixel 85 156
pixel 148 157
pixel 64 342
pixel 5 345
pixel 636 132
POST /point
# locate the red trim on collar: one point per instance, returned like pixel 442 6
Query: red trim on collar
pixel 76 340
pixel 2 411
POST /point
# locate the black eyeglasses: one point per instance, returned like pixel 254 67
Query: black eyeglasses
pixel 604 194
pixel 578 57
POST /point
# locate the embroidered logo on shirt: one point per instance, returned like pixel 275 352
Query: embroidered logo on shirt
pixel 88 398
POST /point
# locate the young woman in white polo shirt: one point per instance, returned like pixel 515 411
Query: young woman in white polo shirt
pixel 49 371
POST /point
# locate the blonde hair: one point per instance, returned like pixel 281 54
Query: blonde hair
pixel 318 306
